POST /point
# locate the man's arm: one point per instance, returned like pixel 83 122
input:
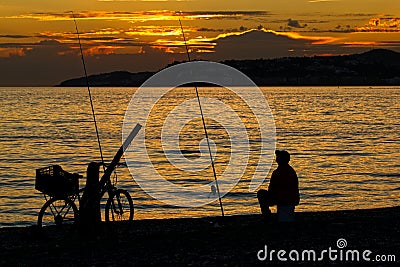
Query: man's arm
pixel 272 187
pixel 297 200
pixel 272 182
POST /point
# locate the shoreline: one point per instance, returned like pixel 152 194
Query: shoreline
pixel 207 241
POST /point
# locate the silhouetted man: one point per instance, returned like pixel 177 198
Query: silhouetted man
pixel 283 189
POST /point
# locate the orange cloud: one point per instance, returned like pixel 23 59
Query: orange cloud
pixel 381 24
pixel 107 31
pixel 101 50
pixel 165 49
pixel 157 31
pixel 361 43
pixel 139 16
pixel 116 35
pixel 297 36
pixel 385 22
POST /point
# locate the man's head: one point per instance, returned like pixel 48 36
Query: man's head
pixel 282 156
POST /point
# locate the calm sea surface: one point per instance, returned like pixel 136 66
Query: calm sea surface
pixel 345 146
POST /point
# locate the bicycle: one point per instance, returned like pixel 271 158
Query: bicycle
pixel 60 207
pixel 61 190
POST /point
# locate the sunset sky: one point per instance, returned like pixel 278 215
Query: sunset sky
pixel 38 43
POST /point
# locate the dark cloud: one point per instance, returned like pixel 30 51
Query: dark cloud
pixel 269 44
pixel 391 18
pixel 351 15
pixel 295 24
pixel 227 13
pixel 257 44
pixel 304 21
pixel 209 30
pixel 16 45
pixel 14 36
pixel 378 29
pixel 342 29
pixel 109 40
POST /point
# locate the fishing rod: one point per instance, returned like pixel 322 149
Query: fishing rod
pixel 204 126
pixel 88 88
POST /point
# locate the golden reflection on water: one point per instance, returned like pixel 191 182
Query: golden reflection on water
pixel 191 135
pixel 344 144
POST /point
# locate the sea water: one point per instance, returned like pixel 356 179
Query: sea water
pixel 344 142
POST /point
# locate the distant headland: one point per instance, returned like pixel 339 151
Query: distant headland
pixel 377 67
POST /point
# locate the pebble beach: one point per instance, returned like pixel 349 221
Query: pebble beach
pixel 240 240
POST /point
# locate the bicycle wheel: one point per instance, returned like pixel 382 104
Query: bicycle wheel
pixel 57 211
pixel 119 207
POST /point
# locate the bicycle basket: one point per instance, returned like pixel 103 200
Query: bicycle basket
pixel 54 181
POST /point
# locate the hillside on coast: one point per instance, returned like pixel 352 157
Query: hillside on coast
pixel 375 67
